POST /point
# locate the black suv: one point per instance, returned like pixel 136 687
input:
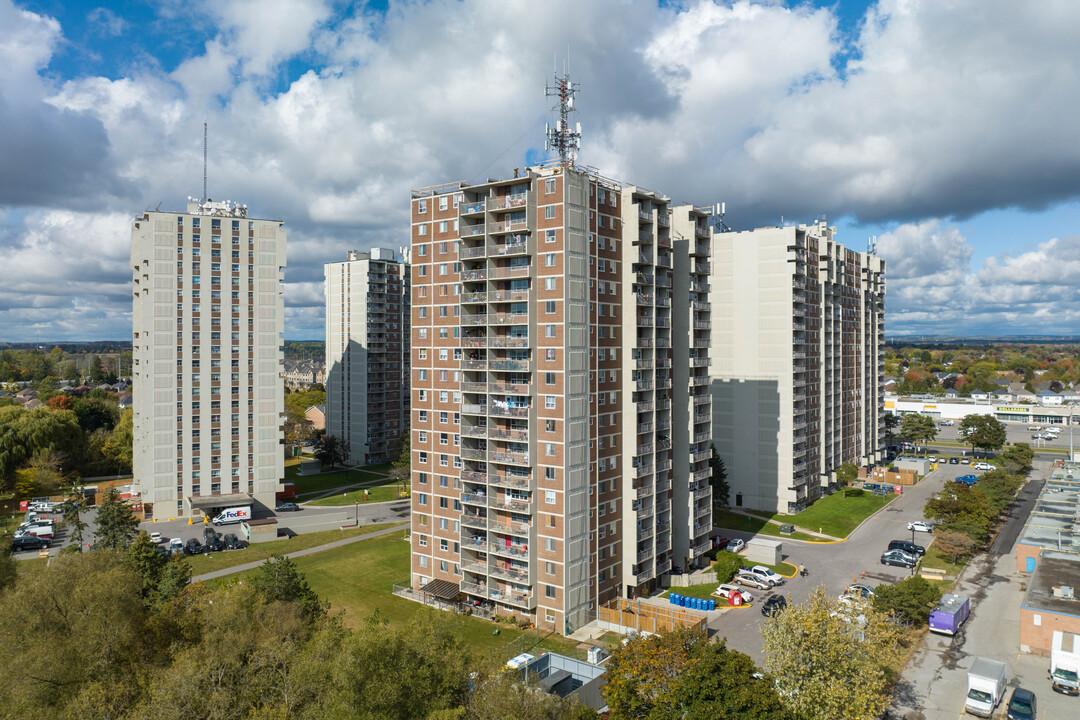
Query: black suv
pixel 193 547
pixel 232 542
pixel 773 605
pixel 908 547
pixel 29 542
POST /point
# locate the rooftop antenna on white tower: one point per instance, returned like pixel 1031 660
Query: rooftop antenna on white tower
pixel 204 198
pixel 561 138
pixel 871 245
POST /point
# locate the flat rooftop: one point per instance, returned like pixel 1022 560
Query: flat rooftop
pixel 1054 568
pixel 1054 522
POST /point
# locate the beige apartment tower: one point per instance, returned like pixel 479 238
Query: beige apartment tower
pixel 798 365
pixel 208 319
pixel 367 353
pixel 559 419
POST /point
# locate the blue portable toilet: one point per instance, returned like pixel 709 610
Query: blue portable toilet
pixel 684 601
pixel 712 604
pixel 673 598
pixel 697 603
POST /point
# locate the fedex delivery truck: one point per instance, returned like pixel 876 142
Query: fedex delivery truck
pixel 233 515
pixel 952 611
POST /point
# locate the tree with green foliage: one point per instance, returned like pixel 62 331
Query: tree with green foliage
pixel 67 628
pixel 828 658
pixel 846 475
pixel 331 450
pixel 1017 458
pixel 962 508
pixel 909 600
pixel 26 433
pixel 41 477
pixel 95 413
pixel 97 371
pixel 162 577
pixel 278 580
pixel 918 428
pixel 401 467
pixel 508 695
pixel 118 450
pixel 1000 488
pixel 721 489
pixel 952 542
pixel 726 565
pixel 8 570
pixel 982 431
pixel 890 422
pixel 74 506
pixel 680 675
pixel 117 526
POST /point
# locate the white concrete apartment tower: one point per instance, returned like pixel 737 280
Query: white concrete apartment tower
pixel 543 474
pixel 208 322
pixel 797 352
pixel 367 353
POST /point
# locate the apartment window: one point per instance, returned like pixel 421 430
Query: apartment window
pixel 602 510
pixel 549 212
pixel 549 331
pixel 422 478
pixel 421 229
pixel 443 355
pixel 549 544
pixel 444 438
pixel 421 540
pixel 423 395
pixel 549 425
pixel 443 418
pixel 457 199
pixel 423 416
pixel 549 283
pixel 549 378
pixel 422 374
pixel 549 260
pixel 550 354
pixel 444 200
pixel 444 504
pixel 444 481
pixel 549 591
pixel 423 558
pixel 421 270
pixel 421 312
pixel 549 307
pixel 422 355
pixel 421 498
pixel 442 227
pixel 549 186
pixel 421 206
pixel 549 497
pixel 442 312
pixel 443 524
pixel 549 473
pixel 444 460
pixel 549 236
pixel 444 396
pixel 421 250
pixel 442 268
pixel 549 402
pixel 549 568
pixel 443 566
pixel 423 436
pixel 603 221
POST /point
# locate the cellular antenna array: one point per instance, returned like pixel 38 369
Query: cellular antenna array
pixel 561 138
pixel 204 198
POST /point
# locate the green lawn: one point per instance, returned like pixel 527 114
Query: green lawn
pixel 260 551
pixel 836 515
pixel 358 579
pixel 328 481
pixel 378 493
pixel 752 523
pixel 937 560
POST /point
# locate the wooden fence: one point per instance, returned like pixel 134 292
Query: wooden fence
pixel 649 618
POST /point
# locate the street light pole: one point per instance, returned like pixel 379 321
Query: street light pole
pixel 356 512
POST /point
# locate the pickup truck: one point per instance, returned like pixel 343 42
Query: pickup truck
pixel 968 480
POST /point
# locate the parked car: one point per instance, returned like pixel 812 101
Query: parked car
pixel 932 458
pixel 232 542
pixel 907 546
pixel 29 542
pixel 176 546
pixel 774 605
pixel 193 547
pixel 747 578
pixel 899 558
pixel 921 526
pixel 720 542
pixel 964 461
pixel 726 589
pixel 858 590
pixel 984 466
pixel 156 537
pixel 1022 705
pixel 287 507
pixel 765 573
pixel 954 460
pixel 215 544
pixel 736 545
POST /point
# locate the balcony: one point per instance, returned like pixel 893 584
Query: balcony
pixel 508 342
pixel 474 387
pixel 473 454
pixel 472 409
pixel 702 324
pixel 645 406
pixel 702 399
pixel 510 248
pixel 663 484
pixel 645 449
pixel 508 481
pixel 474 275
pixel 496 433
pixel 508 458
pixel 645 555
pixel 473 476
pixel 473 208
pixel 472 252
pixel 644 428
pixel 474 320
pixel 474 297
pixel 663 217
pixel 511 505
pixel 478 341
pixel 474 364
pixel 644 320
pixel 509 296
pixel 507 202
pixel 517 599
pixel 664 261
pixel 509 365
pixel 701 475
pixel 643 385
pixel 512 388
pixel 643 298
pixel 701 437
pixel 471 230
pixel 473 588
pixel 698 457
pixel 475 566
pixel 643 577
pixel 501 228
pixel 507 550
pixel 510 573
pixel 663 566
pixel 508 319
pixel 702 548
pixel 507 527
pixel 474 521
pixel 509 411
pixel 702 492
pixel 645 215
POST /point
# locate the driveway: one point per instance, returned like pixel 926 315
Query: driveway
pixel 837 565
pixel 934 683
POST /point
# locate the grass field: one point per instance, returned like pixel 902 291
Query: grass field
pixel 937 560
pixel 358 579
pixel 836 515
pixel 260 551
pixel 378 493
pixel 328 481
pixel 752 523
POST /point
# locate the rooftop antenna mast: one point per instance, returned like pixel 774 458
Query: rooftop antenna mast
pixel 871 245
pixel 204 161
pixel 561 138
pixel 718 218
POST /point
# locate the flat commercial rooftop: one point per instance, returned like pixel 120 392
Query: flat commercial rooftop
pixel 1054 522
pixel 1054 568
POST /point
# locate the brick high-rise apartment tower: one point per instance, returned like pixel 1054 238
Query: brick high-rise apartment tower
pixel 560 406
pixel 367 353
pixel 208 317
pixel 798 362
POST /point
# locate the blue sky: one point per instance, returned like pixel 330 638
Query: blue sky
pixel 944 129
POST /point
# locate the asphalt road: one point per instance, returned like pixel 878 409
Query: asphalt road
pixel 934 683
pixel 837 565
pixel 1014 433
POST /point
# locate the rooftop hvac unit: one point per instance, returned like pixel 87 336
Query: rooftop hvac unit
pixel 1067 592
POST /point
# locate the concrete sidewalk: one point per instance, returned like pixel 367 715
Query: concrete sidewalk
pixel 299 553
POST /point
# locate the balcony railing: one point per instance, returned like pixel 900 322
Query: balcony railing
pixel 474 342
pixel 474 521
pixel 508 319
pixel 512 574
pixel 474 387
pixel 510 481
pixel 473 476
pixel 507 550
pixel 509 296
pixel 508 342
pixel 511 505
pixel 472 208
pixel 472 252
pixel 473 588
pixel 505 434
pixel 509 201
pixel 510 248
pixel 471 230
pixel 512 388
pixel 509 458
pixel 506 527
pixel 476 431
pixel 500 411
pixel 473 409
pixel 472 454
pixel 472 275
pixel 474 364
pixel 474 297
pixel 507 227
pixel 509 364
